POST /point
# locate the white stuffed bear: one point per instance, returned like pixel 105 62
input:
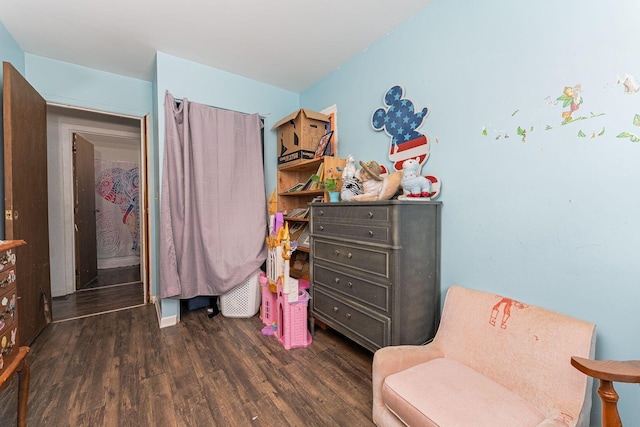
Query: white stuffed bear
pixel 413 184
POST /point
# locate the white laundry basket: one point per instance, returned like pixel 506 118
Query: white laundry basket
pixel 243 300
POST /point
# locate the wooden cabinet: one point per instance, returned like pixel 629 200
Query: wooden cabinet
pixel 292 174
pixel 9 340
pixel 375 270
pixel 13 358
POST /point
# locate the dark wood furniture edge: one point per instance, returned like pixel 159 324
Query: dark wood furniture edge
pixel 10 244
pixel 608 371
pixel 627 371
pixel 20 365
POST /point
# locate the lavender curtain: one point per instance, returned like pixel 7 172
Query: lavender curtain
pixel 212 201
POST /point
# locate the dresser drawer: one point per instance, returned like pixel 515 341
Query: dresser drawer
pixel 7 278
pixel 8 314
pixel 371 329
pixel 374 294
pixel 370 260
pixel 366 233
pixel 7 259
pixel 8 347
pixel 342 213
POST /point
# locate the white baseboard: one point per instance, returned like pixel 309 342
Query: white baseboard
pixel 163 322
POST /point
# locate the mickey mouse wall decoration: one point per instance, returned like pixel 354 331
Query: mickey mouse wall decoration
pixel 409 148
pixel 401 121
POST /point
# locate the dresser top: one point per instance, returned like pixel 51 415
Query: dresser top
pixel 8 244
pixel 378 203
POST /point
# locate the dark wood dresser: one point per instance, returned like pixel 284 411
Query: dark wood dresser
pixel 13 358
pixel 375 270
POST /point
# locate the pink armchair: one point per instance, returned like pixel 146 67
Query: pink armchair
pixel 493 362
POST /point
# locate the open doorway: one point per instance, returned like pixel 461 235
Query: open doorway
pixel 117 185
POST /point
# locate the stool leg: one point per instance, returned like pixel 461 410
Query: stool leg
pixel 610 416
pixel 24 376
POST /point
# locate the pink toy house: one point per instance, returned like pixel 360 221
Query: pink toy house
pixel 269 302
pixel 292 320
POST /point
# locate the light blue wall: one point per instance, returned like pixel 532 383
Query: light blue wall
pixel 554 220
pixel 74 85
pixel 70 84
pixel 206 85
pixel 9 52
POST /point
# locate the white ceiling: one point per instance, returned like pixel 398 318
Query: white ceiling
pixel 290 44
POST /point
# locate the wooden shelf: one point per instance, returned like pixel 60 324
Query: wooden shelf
pixel 291 174
pixel 302 193
pixel 288 218
pixel 303 165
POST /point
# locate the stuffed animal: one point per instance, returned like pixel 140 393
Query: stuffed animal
pixel 413 184
pixel 350 185
pixel 349 170
pixel 375 185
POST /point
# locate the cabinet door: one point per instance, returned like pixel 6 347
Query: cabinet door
pixel 26 201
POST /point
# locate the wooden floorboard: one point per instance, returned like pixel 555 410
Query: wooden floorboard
pixel 113 289
pixel 120 369
pixel 98 300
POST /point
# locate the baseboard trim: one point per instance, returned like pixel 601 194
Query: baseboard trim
pixel 163 322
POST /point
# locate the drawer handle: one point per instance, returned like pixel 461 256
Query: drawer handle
pixel 8 314
pixel 321 212
pixel 349 255
pixel 370 233
pixel 350 285
pixel 335 309
pixel 7 258
pixel 337 280
pixel 337 252
pixel 8 280
pixel 321 228
pixel 370 214
pixel 348 315
pixel 7 349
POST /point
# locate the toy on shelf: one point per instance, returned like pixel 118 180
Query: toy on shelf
pixel 375 184
pixel 416 186
pixel 284 303
pixel 350 184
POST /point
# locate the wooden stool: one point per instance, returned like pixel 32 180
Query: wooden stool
pixel 20 365
pixel 608 371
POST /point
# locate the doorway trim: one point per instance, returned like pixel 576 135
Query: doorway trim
pixel 65 247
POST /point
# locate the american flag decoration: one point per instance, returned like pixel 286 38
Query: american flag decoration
pixel 401 122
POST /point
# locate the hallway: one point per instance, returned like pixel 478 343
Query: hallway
pixel 114 289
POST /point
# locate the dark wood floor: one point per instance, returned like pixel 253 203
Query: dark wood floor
pixel 113 289
pixel 120 369
pixel 114 276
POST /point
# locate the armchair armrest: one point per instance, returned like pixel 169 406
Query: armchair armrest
pixel 608 371
pixel 627 371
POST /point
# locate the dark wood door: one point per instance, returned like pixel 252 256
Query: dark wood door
pixel 25 198
pixel 84 210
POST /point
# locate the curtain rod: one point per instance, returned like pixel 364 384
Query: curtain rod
pixel 262 116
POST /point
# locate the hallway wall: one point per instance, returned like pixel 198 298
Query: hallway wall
pixel 61 122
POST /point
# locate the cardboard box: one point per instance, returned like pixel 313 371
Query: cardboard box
pixel 299 134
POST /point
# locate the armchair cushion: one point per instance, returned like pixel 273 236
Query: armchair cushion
pixel 492 358
pixel 425 395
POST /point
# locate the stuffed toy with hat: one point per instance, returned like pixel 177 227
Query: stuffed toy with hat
pixel 375 184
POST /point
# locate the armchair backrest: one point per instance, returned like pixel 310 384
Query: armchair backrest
pixel 525 348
